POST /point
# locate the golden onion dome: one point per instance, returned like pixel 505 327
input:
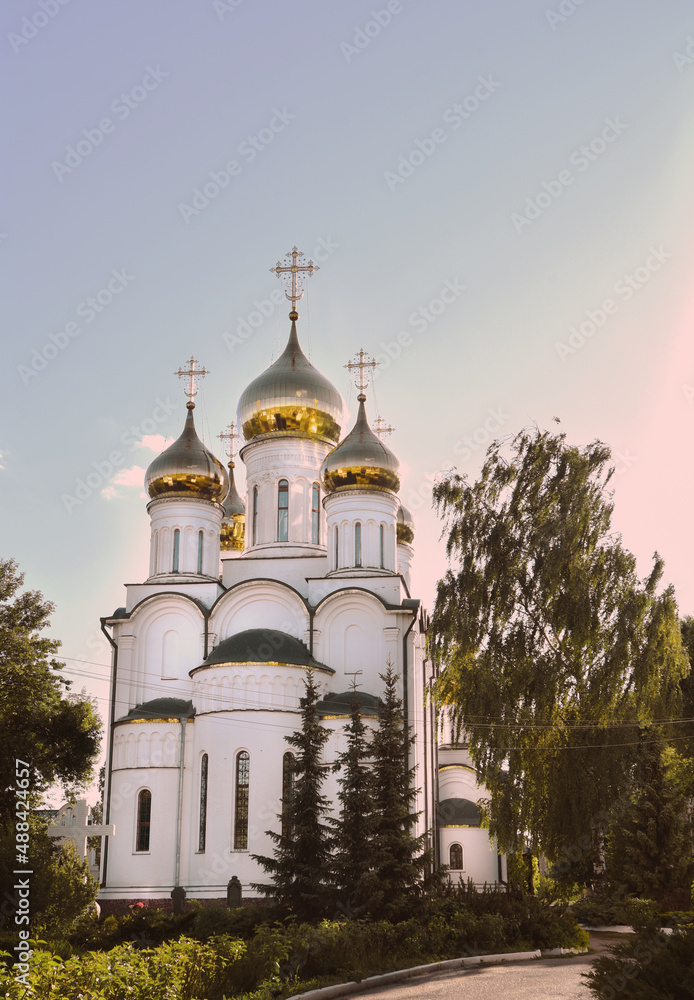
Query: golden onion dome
pixel 361 461
pixel 404 525
pixel 233 530
pixel 291 399
pixel 186 469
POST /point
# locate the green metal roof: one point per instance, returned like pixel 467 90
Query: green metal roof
pixel 458 812
pixel 161 708
pixel 263 645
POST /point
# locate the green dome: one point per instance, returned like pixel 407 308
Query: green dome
pixel 262 645
pixel 458 812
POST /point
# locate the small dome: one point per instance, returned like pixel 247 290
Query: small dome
pixel 161 708
pixel 187 470
pixel 233 531
pixel 291 399
pixel 361 461
pixel 405 525
pixel 458 812
pixel 262 645
pixel 339 706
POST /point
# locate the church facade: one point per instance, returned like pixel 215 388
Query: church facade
pixel 210 652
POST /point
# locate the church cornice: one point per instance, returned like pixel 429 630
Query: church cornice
pixel 408 605
pixel 263 580
pixel 154 597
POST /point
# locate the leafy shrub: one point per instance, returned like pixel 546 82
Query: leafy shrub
pixel 599 911
pixel 650 966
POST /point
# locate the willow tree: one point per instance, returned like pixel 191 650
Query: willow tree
pixel 552 651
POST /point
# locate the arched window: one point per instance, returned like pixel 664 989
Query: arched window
pixel 287 789
pixel 203 802
pixel 315 515
pixel 200 552
pixel 456 858
pixel 243 767
pixel 357 544
pixel 337 547
pixel 144 815
pixel 177 549
pixel 381 547
pixel 255 515
pixel 282 511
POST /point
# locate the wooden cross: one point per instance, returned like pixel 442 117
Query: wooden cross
pixel 363 376
pixel 72 823
pixel 192 374
pixel 293 272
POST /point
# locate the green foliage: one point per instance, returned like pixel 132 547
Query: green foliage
pixel 280 959
pixel 650 966
pixel 649 847
pixel 542 625
pixel 61 886
pixel 615 908
pixel 400 859
pixel 58 734
pixel 355 859
pixel 300 867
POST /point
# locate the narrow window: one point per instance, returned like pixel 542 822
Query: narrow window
pixel 357 544
pixel 337 547
pixel 243 766
pixel 315 518
pixel 144 814
pixel 255 514
pixel 203 802
pixel 177 546
pixel 381 547
pixel 287 789
pixel 283 511
pixel 456 858
pixel 200 552
pixel 155 552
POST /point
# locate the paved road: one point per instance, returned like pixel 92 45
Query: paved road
pixel 543 979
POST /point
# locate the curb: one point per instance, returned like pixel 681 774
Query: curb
pixel 343 989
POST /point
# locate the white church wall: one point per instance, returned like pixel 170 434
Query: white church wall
pixel 259 604
pixel 480 858
pixel 351 625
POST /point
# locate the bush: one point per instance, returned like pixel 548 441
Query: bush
pixel 650 966
pixel 598 911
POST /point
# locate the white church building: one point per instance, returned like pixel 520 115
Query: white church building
pixel 210 652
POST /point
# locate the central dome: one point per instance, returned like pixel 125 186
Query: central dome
pixel 291 399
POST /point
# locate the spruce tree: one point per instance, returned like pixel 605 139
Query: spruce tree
pixel 300 867
pixel 399 855
pixel 649 844
pixel 354 865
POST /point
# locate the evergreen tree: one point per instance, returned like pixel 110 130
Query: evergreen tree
pixel 649 844
pixel 300 867
pixel 399 855
pixel 545 637
pixel 354 863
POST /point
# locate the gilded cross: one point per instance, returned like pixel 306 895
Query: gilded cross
pixel 293 272
pixel 363 376
pixel 192 374
pixel 381 428
pixel 229 436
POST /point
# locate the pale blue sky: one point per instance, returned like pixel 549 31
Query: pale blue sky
pixel 202 79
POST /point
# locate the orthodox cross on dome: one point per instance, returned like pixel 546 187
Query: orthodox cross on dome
pixel 229 436
pixel 381 428
pixel 293 272
pixel 360 366
pixel 192 374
